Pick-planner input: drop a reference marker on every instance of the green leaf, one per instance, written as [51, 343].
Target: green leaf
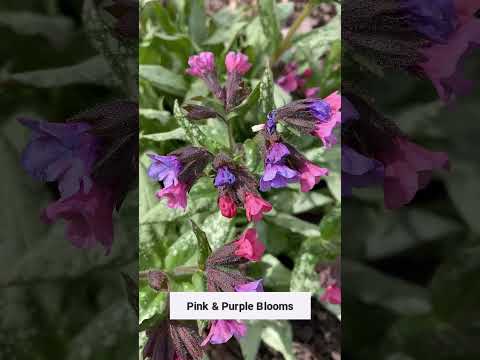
[163, 79]
[193, 132]
[152, 306]
[218, 228]
[253, 156]
[270, 24]
[293, 201]
[177, 134]
[250, 343]
[330, 226]
[57, 29]
[204, 249]
[276, 275]
[266, 92]
[294, 224]
[197, 21]
[304, 276]
[91, 71]
[278, 335]
[226, 36]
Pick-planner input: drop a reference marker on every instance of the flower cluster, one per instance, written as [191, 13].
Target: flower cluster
[422, 37]
[384, 156]
[224, 272]
[292, 81]
[83, 157]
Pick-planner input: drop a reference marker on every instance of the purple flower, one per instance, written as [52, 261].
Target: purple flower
[61, 152]
[254, 286]
[277, 174]
[434, 19]
[359, 171]
[224, 177]
[165, 168]
[271, 122]
[321, 110]
[223, 330]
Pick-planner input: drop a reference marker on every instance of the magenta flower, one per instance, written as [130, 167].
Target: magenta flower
[61, 152]
[255, 207]
[288, 82]
[444, 64]
[165, 168]
[223, 330]
[254, 286]
[249, 246]
[88, 217]
[227, 206]
[175, 194]
[312, 92]
[408, 168]
[332, 295]
[291, 80]
[310, 175]
[328, 116]
[237, 62]
[201, 64]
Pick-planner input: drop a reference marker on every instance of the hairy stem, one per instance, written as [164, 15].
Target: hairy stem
[287, 42]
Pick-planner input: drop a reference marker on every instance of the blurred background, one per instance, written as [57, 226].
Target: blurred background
[56, 301]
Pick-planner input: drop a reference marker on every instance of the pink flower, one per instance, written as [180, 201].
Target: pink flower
[254, 286]
[288, 82]
[310, 175]
[237, 62]
[332, 294]
[222, 330]
[324, 127]
[176, 195]
[249, 246]
[444, 64]
[408, 168]
[227, 206]
[201, 64]
[255, 206]
[311, 92]
[88, 217]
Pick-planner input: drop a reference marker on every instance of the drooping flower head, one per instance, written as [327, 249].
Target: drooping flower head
[179, 170]
[173, 340]
[315, 117]
[222, 266]
[407, 167]
[61, 152]
[237, 188]
[203, 67]
[88, 216]
[285, 165]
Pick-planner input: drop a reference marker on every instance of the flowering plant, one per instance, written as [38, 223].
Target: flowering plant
[249, 163]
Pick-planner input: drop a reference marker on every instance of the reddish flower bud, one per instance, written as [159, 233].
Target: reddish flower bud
[227, 206]
[237, 62]
[332, 294]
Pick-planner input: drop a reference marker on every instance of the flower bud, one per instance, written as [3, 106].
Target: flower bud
[203, 66]
[158, 280]
[198, 112]
[227, 206]
[237, 62]
[249, 246]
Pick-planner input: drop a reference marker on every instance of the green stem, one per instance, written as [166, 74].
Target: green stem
[179, 271]
[287, 42]
[231, 138]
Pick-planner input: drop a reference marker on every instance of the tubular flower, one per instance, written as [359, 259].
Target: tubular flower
[222, 266]
[223, 330]
[65, 153]
[256, 206]
[203, 67]
[284, 165]
[237, 65]
[249, 246]
[234, 182]
[407, 167]
[179, 171]
[332, 295]
[88, 216]
[315, 117]
[173, 340]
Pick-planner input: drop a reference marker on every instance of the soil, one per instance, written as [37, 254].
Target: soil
[318, 339]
